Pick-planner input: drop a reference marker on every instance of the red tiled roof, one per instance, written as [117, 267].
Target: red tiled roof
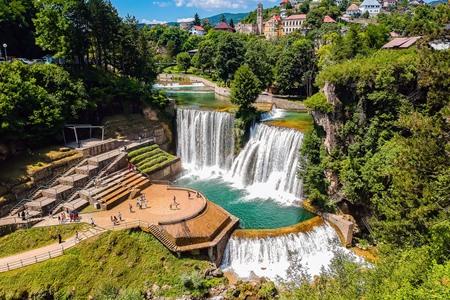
[199, 28]
[405, 42]
[296, 17]
[284, 2]
[328, 19]
[353, 7]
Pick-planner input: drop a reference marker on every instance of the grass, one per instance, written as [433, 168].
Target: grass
[148, 159]
[296, 120]
[27, 239]
[119, 260]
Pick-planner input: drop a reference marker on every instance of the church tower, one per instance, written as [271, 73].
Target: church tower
[259, 19]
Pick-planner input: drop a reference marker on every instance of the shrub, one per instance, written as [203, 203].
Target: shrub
[141, 157]
[142, 150]
[318, 102]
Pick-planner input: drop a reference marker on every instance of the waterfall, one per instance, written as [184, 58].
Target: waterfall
[273, 114]
[267, 165]
[271, 257]
[205, 139]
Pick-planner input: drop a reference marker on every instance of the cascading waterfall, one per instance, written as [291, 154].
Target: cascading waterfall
[273, 114]
[205, 139]
[271, 257]
[268, 163]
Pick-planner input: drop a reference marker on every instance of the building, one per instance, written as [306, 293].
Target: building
[223, 26]
[273, 28]
[353, 10]
[293, 23]
[389, 3]
[328, 19]
[197, 30]
[402, 42]
[185, 25]
[260, 19]
[246, 28]
[373, 7]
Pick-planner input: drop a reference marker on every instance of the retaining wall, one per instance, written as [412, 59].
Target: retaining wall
[343, 226]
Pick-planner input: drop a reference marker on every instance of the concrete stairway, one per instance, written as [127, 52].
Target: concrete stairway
[162, 236]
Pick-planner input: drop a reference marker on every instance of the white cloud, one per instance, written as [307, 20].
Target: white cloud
[215, 4]
[152, 22]
[184, 20]
[161, 3]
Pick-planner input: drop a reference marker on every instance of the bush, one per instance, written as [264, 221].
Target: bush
[318, 102]
[141, 157]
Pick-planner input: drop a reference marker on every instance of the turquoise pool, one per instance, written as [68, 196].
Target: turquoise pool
[255, 213]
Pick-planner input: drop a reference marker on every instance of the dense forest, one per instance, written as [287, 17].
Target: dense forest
[380, 149]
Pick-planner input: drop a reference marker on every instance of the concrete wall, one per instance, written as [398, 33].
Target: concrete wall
[344, 227]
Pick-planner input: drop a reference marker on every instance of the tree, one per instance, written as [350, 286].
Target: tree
[184, 61]
[258, 58]
[223, 18]
[245, 88]
[229, 56]
[192, 42]
[197, 20]
[296, 68]
[231, 23]
[35, 101]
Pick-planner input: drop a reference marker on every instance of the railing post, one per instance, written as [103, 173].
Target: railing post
[49, 254]
[35, 259]
[7, 266]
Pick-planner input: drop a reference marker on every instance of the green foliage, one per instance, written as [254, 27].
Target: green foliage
[36, 100]
[296, 68]
[245, 88]
[27, 239]
[119, 264]
[142, 150]
[148, 159]
[318, 102]
[184, 61]
[258, 57]
[229, 56]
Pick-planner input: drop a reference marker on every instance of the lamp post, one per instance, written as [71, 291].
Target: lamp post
[6, 53]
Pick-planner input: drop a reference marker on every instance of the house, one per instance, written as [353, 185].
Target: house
[389, 3]
[402, 42]
[273, 28]
[197, 30]
[293, 23]
[246, 28]
[373, 7]
[328, 19]
[223, 26]
[186, 23]
[353, 10]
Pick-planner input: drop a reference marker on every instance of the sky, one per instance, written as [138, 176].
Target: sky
[157, 11]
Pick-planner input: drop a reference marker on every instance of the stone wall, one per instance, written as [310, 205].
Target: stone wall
[343, 226]
[168, 171]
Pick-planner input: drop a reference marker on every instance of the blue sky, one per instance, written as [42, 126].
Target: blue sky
[173, 10]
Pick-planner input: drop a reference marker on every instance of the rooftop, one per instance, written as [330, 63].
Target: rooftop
[401, 42]
[353, 7]
[328, 19]
[296, 17]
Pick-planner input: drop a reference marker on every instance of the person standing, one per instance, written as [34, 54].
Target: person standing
[77, 238]
[59, 238]
[120, 216]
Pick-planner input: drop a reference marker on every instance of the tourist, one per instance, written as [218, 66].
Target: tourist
[59, 219]
[120, 216]
[130, 167]
[92, 222]
[76, 236]
[130, 207]
[115, 220]
[23, 216]
[112, 220]
[59, 238]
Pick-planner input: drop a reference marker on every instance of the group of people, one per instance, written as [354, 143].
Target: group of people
[24, 215]
[71, 216]
[197, 194]
[141, 203]
[116, 220]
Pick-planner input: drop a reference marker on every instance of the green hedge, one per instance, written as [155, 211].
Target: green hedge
[318, 102]
[152, 162]
[142, 150]
[149, 159]
[141, 157]
[151, 169]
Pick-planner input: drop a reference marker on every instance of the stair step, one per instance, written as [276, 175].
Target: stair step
[58, 191]
[39, 203]
[87, 170]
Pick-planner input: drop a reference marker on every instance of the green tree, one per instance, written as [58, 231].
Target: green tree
[184, 61]
[245, 88]
[197, 20]
[206, 54]
[231, 23]
[258, 58]
[229, 56]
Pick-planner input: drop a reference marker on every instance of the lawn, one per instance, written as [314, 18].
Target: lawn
[27, 239]
[114, 263]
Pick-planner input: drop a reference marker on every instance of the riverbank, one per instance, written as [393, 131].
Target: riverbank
[279, 101]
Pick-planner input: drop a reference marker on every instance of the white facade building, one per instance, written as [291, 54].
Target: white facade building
[373, 7]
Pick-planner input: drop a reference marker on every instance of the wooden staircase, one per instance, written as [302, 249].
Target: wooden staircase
[162, 236]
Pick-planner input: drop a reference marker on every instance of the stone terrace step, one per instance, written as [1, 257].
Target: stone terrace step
[102, 159]
[76, 204]
[76, 180]
[109, 184]
[40, 203]
[87, 170]
[60, 191]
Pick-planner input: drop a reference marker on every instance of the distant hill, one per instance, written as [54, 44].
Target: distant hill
[437, 2]
[213, 20]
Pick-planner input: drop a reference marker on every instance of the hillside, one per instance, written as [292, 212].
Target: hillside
[213, 20]
[113, 266]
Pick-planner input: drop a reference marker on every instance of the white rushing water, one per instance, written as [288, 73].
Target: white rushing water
[205, 139]
[271, 257]
[266, 167]
[268, 163]
[273, 114]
